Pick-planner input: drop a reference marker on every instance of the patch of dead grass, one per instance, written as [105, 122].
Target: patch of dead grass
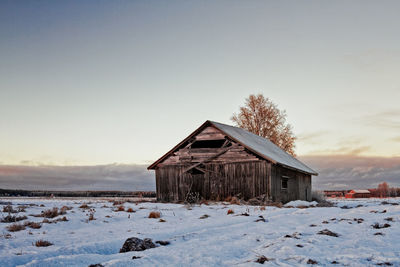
[43, 243]
[15, 227]
[33, 225]
[154, 215]
[9, 218]
[120, 208]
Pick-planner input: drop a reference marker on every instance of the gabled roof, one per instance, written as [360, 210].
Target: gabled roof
[361, 191]
[257, 144]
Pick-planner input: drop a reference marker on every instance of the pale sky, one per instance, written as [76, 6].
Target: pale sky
[98, 82]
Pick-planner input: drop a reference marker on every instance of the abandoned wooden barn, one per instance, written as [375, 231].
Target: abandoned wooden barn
[218, 160]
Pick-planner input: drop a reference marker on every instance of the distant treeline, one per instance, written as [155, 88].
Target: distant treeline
[38, 193]
[383, 190]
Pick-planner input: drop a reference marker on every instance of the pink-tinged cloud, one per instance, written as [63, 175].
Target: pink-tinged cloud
[349, 171]
[102, 177]
[335, 172]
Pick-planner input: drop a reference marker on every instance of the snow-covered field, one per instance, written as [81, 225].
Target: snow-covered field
[287, 237]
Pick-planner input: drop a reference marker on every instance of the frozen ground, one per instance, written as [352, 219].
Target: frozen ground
[288, 237]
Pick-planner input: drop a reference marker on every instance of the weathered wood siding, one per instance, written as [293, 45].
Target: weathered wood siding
[299, 185]
[219, 181]
[187, 154]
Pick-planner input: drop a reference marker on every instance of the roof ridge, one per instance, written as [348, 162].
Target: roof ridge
[279, 150]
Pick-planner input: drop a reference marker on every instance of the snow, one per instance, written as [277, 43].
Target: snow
[298, 203]
[219, 240]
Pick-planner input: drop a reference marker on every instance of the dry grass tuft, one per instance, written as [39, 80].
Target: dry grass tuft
[276, 204]
[262, 208]
[63, 219]
[118, 202]
[203, 201]
[130, 210]
[64, 209]
[154, 215]
[33, 225]
[15, 227]
[9, 209]
[162, 220]
[84, 206]
[43, 243]
[230, 211]
[91, 217]
[10, 219]
[120, 208]
[235, 201]
[7, 236]
[228, 199]
[51, 213]
[261, 259]
[22, 208]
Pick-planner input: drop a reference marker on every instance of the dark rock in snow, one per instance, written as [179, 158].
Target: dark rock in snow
[380, 226]
[358, 220]
[262, 259]
[136, 257]
[328, 232]
[205, 216]
[384, 264]
[260, 219]
[96, 265]
[163, 243]
[137, 244]
[310, 261]
[294, 235]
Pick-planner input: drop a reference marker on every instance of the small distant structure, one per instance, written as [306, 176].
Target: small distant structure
[334, 194]
[358, 194]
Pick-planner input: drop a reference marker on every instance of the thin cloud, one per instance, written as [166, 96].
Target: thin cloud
[335, 172]
[311, 137]
[375, 60]
[389, 119]
[102, 177]
[348, 171]
[342, 150]
[395, 139]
